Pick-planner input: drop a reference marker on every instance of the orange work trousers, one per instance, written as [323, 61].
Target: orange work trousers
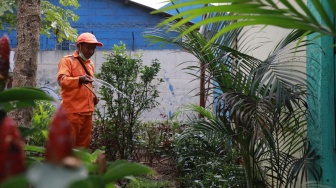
[81, 128]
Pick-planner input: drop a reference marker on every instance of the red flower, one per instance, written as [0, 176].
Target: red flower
[12, 158]
[4, 58]
[59, 145]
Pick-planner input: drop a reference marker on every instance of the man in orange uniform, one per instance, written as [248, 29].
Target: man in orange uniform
[75, 75]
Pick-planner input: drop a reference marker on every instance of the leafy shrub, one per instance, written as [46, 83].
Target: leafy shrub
[103, 138]
[155, 141]
[130, 88]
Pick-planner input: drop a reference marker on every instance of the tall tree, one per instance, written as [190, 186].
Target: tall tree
[28, 37]
[33, 18]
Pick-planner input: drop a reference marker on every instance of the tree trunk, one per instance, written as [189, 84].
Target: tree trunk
[28, 38]
[202, 87]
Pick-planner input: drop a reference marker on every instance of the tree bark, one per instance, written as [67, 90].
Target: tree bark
[25, 59]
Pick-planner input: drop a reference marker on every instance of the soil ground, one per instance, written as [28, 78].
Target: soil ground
[164, 172]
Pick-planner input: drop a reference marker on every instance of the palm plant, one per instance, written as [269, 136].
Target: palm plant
[261, 103]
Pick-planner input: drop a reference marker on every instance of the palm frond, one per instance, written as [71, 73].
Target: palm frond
[285, 14]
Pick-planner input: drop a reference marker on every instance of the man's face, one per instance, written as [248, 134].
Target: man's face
[87, 49]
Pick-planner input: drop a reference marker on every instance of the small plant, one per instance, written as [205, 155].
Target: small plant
[155, 141]
[42, 116]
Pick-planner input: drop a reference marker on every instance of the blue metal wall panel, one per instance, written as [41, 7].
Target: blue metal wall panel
[111, 21]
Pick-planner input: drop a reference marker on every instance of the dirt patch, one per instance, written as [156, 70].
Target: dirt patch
[165, 171]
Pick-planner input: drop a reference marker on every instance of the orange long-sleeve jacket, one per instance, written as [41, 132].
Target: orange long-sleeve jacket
[76, 98]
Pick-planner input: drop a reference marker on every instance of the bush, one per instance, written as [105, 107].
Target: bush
[208, 162]
[129, 88]
[155, 141]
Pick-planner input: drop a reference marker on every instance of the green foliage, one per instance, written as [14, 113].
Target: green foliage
[42, 116]
[155, 141]
[121, 168]
[15, 182]
[7, 14]
[208, 160]
[116, 170]
[131, 90]
[260, 103]
[55, 19]
[148, 183]
[101, 138]
[21, 97]
[6, 5]
[285, 14]
[58, 20]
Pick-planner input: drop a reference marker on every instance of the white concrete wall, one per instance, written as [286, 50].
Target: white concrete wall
[174, 92]
[267, 37]
[259, 42]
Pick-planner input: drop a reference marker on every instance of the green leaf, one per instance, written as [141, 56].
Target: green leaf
[45, 133]
[92, 181]
[57, 20]
[85, 155]
[23, 94]
[73, 3]
[27, 131]
[110, 186]
[21, 98]
[15, 182]
[9, 106]
[122, 168]
[249, 13]
[34, 148]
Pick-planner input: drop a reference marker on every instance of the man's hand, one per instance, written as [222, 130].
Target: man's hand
[85, 79]
[95, 100]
